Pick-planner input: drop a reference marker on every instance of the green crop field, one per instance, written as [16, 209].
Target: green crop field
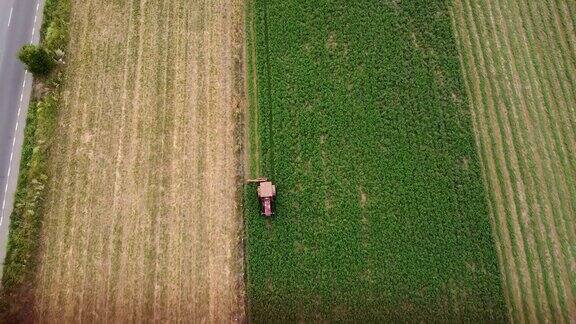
[358, 112]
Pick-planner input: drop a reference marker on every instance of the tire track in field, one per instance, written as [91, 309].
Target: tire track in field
[87, 233]
[189, 274]
[93, 297]
[197, 289]
[206, 161]
[161, 263]
[124, 302]
[97, 131]
[220, 187]
[155, 204]
[172, 272]
[181, 181]
[112, 88]
[148, 155]
[180, 135]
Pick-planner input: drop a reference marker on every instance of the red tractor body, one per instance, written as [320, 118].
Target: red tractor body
[266, 194]
[266, 206]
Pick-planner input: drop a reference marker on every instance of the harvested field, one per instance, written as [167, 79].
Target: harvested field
[142, 221]
[519, 62]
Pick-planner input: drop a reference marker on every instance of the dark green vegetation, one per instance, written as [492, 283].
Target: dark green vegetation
[23, 240]
[37, 59]
[365, 127]
[40, 59]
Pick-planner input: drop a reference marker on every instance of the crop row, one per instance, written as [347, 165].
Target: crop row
[520, 72]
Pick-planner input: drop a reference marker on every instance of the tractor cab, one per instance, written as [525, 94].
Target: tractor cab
[266, 195]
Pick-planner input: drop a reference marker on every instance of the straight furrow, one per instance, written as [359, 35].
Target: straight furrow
[92, 130]
[154, 258]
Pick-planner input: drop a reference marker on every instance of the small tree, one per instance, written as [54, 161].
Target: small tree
[37, 59]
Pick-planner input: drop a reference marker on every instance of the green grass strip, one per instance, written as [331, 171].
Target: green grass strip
[26, 218]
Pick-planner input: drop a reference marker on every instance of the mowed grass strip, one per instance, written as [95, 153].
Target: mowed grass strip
[364, 125]
[524, 49]
[142, 221]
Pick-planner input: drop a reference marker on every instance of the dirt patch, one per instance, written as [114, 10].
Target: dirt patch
[142, 222]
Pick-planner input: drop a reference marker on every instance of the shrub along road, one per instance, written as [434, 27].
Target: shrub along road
[19, 25]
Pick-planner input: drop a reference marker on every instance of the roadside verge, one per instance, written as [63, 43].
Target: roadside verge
[23, 240]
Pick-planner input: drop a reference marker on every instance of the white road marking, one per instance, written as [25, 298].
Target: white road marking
[10, 17]
[12, 151]
[35, 19]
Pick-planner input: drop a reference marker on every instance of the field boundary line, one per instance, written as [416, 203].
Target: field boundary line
[270, 119]
[515, 299]
[490, 110]
[482, 150]
[518, 164]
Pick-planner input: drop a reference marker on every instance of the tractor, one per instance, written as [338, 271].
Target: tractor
[266, 195]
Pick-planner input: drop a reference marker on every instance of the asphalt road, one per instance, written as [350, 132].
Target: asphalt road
[20, 22]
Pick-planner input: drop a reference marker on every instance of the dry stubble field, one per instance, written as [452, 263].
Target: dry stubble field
[519, 61]
[141, 220]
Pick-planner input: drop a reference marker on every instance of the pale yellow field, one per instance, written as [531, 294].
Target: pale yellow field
[142, 222]
[519, 62]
